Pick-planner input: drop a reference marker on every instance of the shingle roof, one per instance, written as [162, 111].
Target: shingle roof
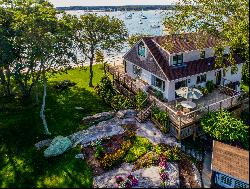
[186, 42]
[189, 68]
[231, 160]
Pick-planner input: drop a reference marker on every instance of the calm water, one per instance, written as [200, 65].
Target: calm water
[135, 25]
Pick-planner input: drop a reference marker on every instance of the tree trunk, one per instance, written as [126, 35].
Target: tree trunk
[91, 70]
[42, 115]
[36, 95]
[2, 79]
[8, 80]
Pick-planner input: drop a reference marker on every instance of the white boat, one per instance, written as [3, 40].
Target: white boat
[143, 17]
[140, 22]
[154, 25]
[129, 16]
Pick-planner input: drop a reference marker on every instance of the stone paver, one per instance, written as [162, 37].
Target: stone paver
[103, 129]
[148, 177]
[149, 131]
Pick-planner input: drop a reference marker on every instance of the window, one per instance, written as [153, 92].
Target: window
[141, 50]
[155, 81]
[178, 59]
[239, 184]
[226, 180]
[137, 70]
[201, 78]
[234, 70]
[202, 54]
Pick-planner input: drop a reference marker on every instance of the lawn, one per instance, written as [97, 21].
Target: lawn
[21, 165]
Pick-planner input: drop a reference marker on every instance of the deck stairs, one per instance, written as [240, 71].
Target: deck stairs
[144, 114]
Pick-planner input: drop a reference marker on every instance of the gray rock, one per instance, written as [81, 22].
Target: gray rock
[58, 146]
[98, 117]
[148, 177]
[129, 113]
[43, 143]
[79, 156]
[79, 108]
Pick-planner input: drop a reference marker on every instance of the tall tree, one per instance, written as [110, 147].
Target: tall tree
[46, 41]
[99, 33]
[8, 51]
[227, 20]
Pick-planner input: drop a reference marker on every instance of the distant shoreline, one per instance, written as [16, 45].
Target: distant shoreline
[118, 8]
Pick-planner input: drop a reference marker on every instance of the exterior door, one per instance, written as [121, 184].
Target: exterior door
[125, 66]
[218, 77]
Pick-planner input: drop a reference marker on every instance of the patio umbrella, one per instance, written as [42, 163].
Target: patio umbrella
[189, 93]
[188, 104]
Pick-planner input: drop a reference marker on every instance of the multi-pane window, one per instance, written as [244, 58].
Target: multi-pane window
[201, 78]
[141, 50]
[155, 81]
[178, 59]
[202, 54]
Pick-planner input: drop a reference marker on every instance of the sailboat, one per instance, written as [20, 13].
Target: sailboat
[128, 16]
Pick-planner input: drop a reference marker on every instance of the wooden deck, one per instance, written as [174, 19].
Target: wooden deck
[183, 124]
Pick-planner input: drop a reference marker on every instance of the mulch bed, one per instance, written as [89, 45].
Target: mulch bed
[110, 146]
[186, 174]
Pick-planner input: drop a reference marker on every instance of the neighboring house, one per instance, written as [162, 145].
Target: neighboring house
[173, 61]
[230, 166]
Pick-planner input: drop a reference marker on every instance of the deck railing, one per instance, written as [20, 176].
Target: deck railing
[179, 118]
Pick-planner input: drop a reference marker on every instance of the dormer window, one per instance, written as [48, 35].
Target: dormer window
[203, 54]
[178, 60]
[142, 50]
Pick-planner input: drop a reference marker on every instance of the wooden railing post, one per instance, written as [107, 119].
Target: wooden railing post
[179, 131]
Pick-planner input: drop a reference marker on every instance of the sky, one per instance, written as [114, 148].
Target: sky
[61, 3]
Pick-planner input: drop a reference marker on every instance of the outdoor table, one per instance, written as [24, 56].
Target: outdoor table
[188, 104]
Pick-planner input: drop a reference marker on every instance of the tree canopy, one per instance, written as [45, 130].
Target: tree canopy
[222, 126]
[225, 19]
[99, 33]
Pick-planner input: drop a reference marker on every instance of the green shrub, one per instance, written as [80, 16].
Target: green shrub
[160, 116]
[63, 85]
[147, 160]
[222, 126]
[140, 100]
[99, 151]
[111, 159]
[121, 102]
[140, 147]
[204, 90]
[210, 86]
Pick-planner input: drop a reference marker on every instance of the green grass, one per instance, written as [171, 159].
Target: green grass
[21, 165]
[245, 87]
[140, 147]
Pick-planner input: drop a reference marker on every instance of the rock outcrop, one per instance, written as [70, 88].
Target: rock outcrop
[58, 146]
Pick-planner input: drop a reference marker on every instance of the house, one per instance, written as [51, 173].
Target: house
[230, 166]
[169, 62]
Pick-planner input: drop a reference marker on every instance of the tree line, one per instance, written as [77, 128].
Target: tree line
[36, 39]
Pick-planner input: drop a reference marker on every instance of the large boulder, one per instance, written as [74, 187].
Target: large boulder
[97, 117]
[43, 143]
[58, 146]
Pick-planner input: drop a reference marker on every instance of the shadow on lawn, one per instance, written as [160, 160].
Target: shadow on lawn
[21, 165]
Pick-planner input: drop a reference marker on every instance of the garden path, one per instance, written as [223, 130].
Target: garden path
[148, 177]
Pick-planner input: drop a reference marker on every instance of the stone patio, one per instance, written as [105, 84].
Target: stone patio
[148, 177]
